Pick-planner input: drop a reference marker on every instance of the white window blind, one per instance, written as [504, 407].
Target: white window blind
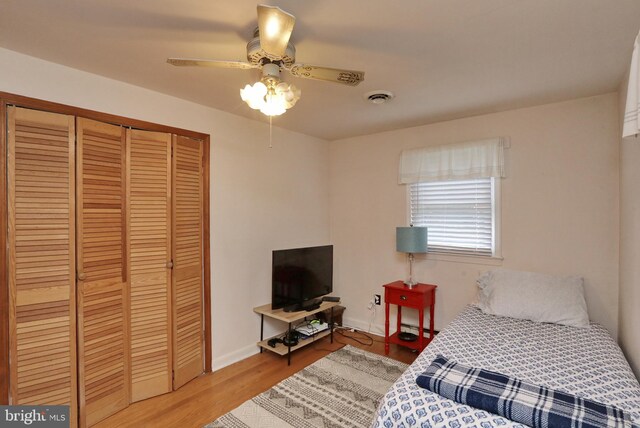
[459, 215]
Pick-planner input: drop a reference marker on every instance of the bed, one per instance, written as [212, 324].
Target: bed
[581, 361]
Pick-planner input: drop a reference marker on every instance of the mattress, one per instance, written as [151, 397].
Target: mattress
[581, 361]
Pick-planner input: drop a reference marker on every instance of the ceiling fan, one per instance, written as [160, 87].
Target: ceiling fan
[271, 51]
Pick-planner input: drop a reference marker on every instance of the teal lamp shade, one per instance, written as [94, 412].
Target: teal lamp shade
[411, 239]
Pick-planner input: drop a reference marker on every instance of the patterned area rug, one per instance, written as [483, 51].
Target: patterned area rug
[339, 390]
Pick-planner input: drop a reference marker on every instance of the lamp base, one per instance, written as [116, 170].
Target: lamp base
[410, 283]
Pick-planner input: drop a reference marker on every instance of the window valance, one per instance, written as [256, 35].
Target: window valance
[473, 159]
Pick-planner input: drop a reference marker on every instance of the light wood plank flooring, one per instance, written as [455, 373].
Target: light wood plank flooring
[211, 395]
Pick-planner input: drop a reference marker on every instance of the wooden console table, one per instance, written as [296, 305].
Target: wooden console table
[290, 318]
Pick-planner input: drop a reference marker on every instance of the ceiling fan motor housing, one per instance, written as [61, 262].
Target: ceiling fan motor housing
[257, 56]
[271, 70]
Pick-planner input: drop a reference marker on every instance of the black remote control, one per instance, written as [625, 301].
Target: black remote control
[272, 342]
[330, 299]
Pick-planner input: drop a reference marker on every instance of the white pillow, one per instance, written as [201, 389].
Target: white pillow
[533, 296]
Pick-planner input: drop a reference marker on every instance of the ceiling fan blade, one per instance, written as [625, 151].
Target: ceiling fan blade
[275, 27]
[346, 77]
[187, 62]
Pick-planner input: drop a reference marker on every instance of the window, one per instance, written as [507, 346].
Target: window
[460, 215]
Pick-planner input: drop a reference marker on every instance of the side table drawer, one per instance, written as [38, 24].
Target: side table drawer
[404, 298]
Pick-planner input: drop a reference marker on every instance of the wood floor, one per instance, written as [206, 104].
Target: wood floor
[209, 396]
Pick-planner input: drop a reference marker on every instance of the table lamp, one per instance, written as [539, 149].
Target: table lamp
[411, 240]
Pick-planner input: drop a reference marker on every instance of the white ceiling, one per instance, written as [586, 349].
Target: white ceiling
[443, 59]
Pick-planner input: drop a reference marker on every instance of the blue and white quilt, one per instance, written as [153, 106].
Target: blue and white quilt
[581, 361]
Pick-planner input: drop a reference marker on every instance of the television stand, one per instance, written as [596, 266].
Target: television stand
[291, 318]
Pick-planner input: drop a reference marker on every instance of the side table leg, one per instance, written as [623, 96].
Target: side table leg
[289, 345]
[386, 328]
[421, 328]
[261, 330]
[431, 328]
[331, 324]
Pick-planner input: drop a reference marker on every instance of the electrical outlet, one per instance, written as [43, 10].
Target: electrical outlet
[376, 299]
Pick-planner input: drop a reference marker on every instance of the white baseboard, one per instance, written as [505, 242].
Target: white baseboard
[225, 360]
[363, 326]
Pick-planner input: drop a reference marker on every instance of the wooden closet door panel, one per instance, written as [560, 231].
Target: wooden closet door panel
[41, 236]
[188, 327]
[149, 187]
[103, 342]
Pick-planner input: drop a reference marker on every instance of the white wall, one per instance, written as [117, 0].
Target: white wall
[559, 206]
[629, 331]
[559, 212]
[261, 199]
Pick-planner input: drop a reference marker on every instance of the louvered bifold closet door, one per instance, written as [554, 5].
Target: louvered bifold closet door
[149, 184]
[187, 260]
[103, 343]
[41, 236]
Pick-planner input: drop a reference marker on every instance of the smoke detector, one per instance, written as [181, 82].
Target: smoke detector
[379, 97]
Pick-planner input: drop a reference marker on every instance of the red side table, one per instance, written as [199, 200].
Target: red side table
[419, 297]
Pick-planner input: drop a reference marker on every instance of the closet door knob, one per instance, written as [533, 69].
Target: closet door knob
[170, 265]
[81, 276]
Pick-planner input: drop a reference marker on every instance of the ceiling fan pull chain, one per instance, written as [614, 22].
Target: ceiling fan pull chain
[270, 132]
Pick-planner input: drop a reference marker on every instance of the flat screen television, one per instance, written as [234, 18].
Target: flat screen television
[301, 275]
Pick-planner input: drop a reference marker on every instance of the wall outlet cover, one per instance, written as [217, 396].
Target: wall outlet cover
[376, 299]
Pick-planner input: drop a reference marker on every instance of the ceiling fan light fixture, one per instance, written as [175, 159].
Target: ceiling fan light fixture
[271, 96]
[254, 95]
[289, 93]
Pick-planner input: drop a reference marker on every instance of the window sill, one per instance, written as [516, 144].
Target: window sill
[457, 258]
